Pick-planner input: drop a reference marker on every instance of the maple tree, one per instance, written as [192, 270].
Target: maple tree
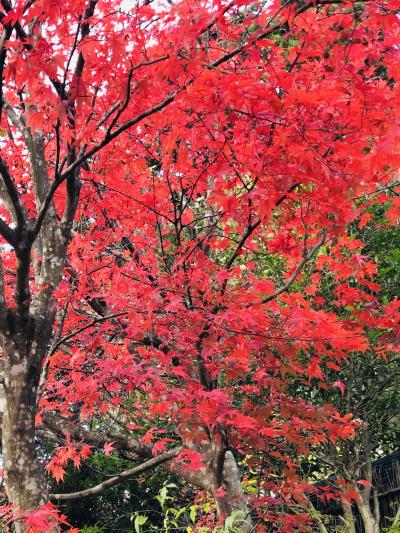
[150, 154]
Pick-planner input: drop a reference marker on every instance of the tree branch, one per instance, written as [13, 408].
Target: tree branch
[97, 489]
[272, 29]
[13, 195]
[17, 121]
[83, 157]
[158, 107]
[7, 233]
[83, 328]
[61, 426]
[3, 54]
[123, 127]
[299, 268]
[252, 227]
[72, 179]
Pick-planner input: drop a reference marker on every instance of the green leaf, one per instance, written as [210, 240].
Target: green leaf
[234, 521]
[139, 521]
[163, 496]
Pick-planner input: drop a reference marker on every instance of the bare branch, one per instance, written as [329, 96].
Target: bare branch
[241, 243]
[251, 227]
[83, 328]
[108, 113]
[3, 54]
[316, 517]
[97, 489]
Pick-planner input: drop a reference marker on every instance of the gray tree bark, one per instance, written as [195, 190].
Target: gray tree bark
[371, 525]
[234, 502]
[24, 477]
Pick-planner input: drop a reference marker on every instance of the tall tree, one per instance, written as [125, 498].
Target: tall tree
[149, 153]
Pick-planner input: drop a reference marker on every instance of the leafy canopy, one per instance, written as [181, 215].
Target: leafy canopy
[223, 150]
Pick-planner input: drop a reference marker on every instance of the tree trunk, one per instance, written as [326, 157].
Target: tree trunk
[221, 477]
[233, 503]
[24, 477]
[370, 524]
[315, 515]
[348, 519]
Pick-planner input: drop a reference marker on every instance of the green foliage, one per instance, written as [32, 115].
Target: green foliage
[394, 528]
[233, 522]
[139, 521]
[174, 515]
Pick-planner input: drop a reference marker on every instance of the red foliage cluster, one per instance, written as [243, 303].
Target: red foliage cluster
[226, 147]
